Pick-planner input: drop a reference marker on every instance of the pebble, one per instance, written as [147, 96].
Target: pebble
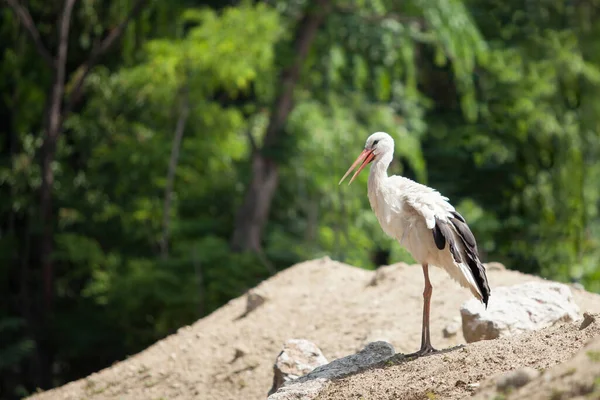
[516, 379]
[452, 328]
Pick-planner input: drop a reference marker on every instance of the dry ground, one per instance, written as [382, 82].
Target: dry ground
[333, 305]
[578, 378]
[459, 373]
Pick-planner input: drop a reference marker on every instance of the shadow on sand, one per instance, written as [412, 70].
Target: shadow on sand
[375, 355]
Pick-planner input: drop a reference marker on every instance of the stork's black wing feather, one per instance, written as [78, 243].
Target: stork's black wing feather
[463, 230]
[442, 234]
[438, 236]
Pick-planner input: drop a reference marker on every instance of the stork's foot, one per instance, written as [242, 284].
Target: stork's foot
[423, 351]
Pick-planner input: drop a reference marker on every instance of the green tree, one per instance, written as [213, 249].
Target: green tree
[362, 77]
[204, 109]
[529, 159]
[116, 226]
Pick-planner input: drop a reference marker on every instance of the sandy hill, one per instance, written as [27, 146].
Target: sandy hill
[477, 368]
[229, 356]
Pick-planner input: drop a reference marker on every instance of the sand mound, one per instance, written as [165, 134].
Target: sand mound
[577, 378]
[459, 373]
[229, 356]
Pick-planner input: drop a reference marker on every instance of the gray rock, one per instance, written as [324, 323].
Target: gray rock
[494, 266]
[298, 358]
[254, 299]
[309, 386]
[452, 328]
[381, 274]
[577, 286]
[588, 319]
[239, 352]
[375, 335]
[516, 379]
[518, 308]
[386, 273]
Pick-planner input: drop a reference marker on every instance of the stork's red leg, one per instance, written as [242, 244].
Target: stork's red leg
[426, 346]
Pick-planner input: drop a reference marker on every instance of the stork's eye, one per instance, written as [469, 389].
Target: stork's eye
[375, 142]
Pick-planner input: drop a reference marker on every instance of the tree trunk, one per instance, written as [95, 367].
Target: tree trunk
[199, 281]
[179, 130]
[46, 245]
[53, 128]
[55, 114]
[254, 210]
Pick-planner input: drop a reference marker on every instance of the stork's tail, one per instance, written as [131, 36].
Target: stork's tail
[478, 272]
[464, 252]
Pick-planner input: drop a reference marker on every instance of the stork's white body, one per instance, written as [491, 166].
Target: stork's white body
[423, 222]
[406, 211]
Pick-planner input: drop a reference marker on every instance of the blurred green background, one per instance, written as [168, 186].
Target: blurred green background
[158, 158]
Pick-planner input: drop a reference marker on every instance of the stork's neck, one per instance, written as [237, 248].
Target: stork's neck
[378, 172]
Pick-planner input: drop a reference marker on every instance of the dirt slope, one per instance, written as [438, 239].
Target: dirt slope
[457, 374]
[578, 378]
[327, 302]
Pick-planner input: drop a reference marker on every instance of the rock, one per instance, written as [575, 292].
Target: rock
[298, 358]
[577, 286]
[588, 319]
[452, 328]
[240, 352]
[385, 272]
[254, 299]
[460, 383]
[515, 379]
[518, 308]
[494, 266]
[381, 274]
[309, 386]
[376, 335]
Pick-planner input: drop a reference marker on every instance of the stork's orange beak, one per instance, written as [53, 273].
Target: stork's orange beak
[366, 157]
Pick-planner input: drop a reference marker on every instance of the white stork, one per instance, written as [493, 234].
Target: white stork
[424, 222]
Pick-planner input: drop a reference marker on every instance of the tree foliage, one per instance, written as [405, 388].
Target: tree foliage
[491, 102]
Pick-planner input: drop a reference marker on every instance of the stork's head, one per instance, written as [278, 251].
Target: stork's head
[377, 145]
